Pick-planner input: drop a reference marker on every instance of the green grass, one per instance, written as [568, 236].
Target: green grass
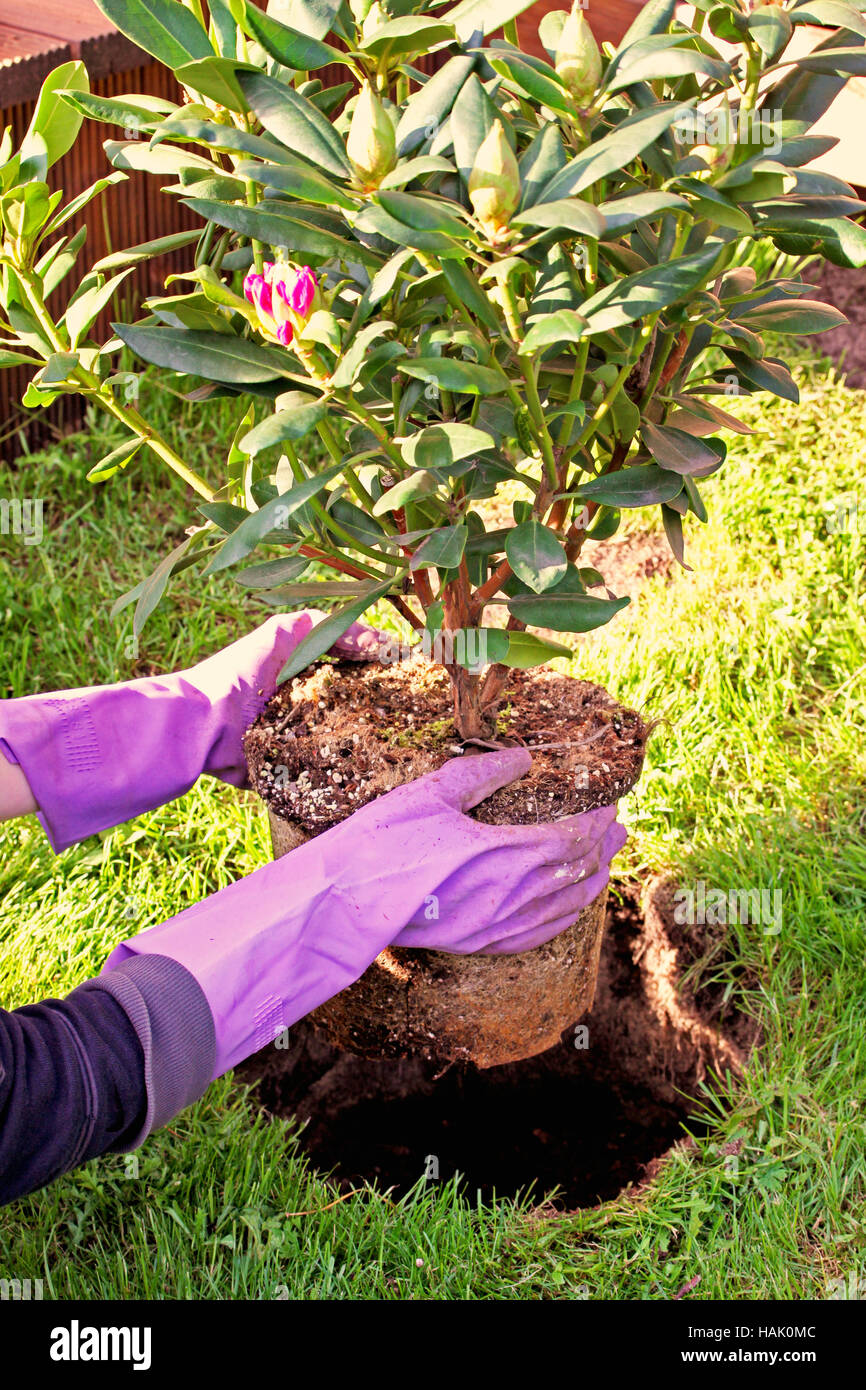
[756, 780]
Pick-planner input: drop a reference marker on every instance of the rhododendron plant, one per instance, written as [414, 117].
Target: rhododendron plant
[514, 271]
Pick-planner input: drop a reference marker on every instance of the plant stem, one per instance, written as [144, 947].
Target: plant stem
[258, 250]
[527, 370]
[95, 391]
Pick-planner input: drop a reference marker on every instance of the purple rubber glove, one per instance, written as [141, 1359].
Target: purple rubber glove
[270, 948]
[101, 755]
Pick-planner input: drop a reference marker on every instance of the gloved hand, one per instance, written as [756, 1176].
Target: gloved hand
[273, 946]
[100, 755]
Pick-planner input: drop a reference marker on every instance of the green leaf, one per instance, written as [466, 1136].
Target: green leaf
[802, 98]
[52, 120]
[217, 79]
[646, 292]
[186, 124]
[794, 316]
[673, 525]
[114, 462]
[484, 16]
[533, 78]
[150, 590]
[472, 119]
[58, 368]
[766, 375]
[85, 308]
[139, 112]
[325, 634]
[707, 202]
[290, 47]
[676, 450]
[292, 423]
[614, 151]
[416, 169]
[568, 214]
[453, 375]
[654, 18]
[377, 220]
[407, 34]
[350, 365]
[540, 162]
[831, 14]
[225, 515]
[163, 28]
[427, 108]
[74, 207]
[535, 555]
[8, 358]
[836, 238]
[215, 356]
[441, 445]
[470, 293]
[476, 647]
[292, 176]
[662, 57]
[563, 326]
[146, 249]
[848, 61]
[407, 490]
[423, 214]
[525, 649]
[771, 29]
[312, 17]
[272, 516]
[567, 608]
[639, 486]
[317, 589]
[295, 121]
[444, 549]
[270, 574]
[164, 159]
[622, 213]
[280, 224]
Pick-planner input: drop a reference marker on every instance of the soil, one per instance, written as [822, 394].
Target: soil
[846, 290]
[342, 734]
[588, 1117]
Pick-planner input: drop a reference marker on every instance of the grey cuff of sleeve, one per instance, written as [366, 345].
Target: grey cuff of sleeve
[168, 1010]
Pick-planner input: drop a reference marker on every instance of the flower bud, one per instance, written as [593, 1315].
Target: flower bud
[296, 296]
[578, 60]
[283, 298]
[257, 290]
[372, 144]
[494, 183]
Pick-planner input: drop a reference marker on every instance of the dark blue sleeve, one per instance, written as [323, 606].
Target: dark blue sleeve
[98, 1071]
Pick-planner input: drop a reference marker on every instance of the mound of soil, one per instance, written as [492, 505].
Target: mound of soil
[587, 1117]
[342, 734]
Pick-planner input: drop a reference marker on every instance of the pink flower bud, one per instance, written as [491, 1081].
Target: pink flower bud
[284, 333]
[258, 292]
[249, 280]
[303, 291]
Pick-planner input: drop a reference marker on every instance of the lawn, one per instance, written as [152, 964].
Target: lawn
[756, 780]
